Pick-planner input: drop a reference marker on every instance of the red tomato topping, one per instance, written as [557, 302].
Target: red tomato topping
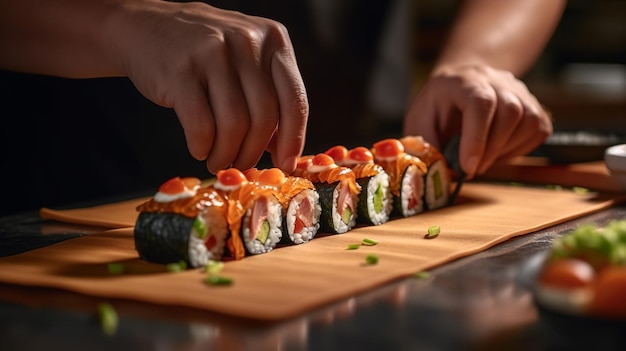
[272, 176]
[567, 273]
[338, 153]
[415, 143]
[191, 182]
[231, 176]
[304, 162]
[361, 154]
[172, 186]
[322, 160]
[388, 148]
[252, 174]
[609, 291]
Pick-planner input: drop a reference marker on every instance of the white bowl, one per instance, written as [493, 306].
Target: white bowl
[615, 159]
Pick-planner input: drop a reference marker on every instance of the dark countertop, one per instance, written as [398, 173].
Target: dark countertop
[480, 302]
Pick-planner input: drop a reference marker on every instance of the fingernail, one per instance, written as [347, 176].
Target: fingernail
[289, 164]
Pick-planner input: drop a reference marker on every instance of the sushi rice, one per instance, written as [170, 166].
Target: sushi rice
[411, 189]
[308, 231]
[270, 232]
[437, 185]
[339, 223]
[208, 238]
[375, 199]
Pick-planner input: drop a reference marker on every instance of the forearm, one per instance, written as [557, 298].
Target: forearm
[507, 35]
[67, 38]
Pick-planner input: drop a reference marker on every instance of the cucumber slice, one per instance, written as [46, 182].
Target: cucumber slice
[347, 215]
[264, 232]
[378, 199]
[437, 184]
[200, 228]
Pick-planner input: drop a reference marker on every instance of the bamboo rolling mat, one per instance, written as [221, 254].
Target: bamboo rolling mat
[292, 280]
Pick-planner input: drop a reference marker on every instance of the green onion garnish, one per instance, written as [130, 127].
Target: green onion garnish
[421, 275]
[353, 246]
[371, 259]
[433, 232]
[580, 190]
[116, 268]
[214, 267]
[218, 280]
[176, 267]
[369, 242]
[108, 318]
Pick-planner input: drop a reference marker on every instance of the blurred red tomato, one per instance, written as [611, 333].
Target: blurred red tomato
[566, 273]
[610, 292]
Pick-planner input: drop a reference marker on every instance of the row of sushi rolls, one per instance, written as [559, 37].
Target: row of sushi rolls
[251, 212]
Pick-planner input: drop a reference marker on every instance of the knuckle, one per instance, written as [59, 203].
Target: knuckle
[485, 99]
[511, 108]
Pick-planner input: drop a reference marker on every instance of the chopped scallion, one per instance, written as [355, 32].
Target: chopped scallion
[371, 259]
[214, 267]
[116, 268]
[421, 275]
[176, 267]
[218, 280]
[580, 190]
[353, 246]
[433, 232]
[369, 242]
[108, 318]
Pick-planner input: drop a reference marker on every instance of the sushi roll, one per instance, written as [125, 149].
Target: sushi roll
[254, 214]
[337, 188]
[437, 177]
[299, 200]
[375, 198]
[406, 176]
[183, 221]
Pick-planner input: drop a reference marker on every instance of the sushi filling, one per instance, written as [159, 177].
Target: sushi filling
[437, 186]
[343, 214]
[208, 237]
[303, 216]
[379, 199]
[261, 229]
[412, 191]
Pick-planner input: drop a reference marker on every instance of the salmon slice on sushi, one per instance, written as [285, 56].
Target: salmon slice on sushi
[375, 198]
[183, 221]
[254, 214]
[338, 191]
[299, 200]
[437, 177]
[406, 176]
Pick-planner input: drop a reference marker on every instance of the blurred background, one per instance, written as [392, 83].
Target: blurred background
[580, 77]
[67, 140]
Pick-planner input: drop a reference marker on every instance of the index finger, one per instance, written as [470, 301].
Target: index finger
[293, 107]
[478, 108]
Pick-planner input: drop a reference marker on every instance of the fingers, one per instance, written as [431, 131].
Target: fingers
[495, 114]
[508, 115]
[266, 108]
[231, 78]
[422, 119]
[195, 115]
[230, 111]
[294, 109]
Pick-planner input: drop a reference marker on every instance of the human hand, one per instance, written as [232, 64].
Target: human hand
[232, 79]
[494, 113]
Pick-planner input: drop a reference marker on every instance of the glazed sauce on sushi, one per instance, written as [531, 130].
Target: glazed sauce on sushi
[176, 196]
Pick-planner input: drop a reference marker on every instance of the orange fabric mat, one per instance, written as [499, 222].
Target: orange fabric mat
[292, 280]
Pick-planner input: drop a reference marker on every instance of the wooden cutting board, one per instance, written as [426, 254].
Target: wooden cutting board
[292, 280]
